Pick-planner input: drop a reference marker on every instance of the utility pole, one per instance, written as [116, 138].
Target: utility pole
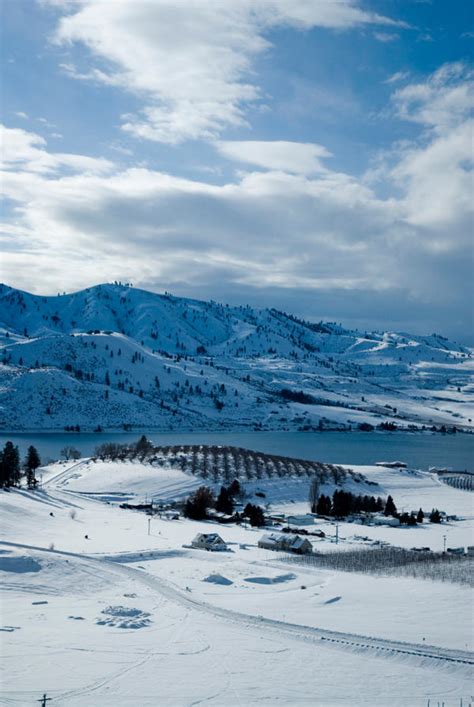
[149, 521]
[337, 533]
[444, 544]
[44, 699]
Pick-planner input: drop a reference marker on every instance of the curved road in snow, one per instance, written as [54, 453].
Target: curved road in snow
[355, 642]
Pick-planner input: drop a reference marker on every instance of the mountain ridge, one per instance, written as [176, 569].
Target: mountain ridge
[113, 355]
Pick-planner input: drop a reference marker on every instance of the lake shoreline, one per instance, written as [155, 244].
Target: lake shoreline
[234, 430]
[419, 450]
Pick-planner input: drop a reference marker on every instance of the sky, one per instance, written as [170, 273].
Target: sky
[310, 155]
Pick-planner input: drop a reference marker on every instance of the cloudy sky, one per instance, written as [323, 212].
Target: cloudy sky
[312, 155]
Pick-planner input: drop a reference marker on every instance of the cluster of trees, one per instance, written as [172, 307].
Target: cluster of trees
[202, 500]
[297, 396]
[142, 449]
[70, 452]
[11, 469]
[254, 514]
[385, 426]
[343, 503]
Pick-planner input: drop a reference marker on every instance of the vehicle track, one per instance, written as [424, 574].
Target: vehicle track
[337, 639]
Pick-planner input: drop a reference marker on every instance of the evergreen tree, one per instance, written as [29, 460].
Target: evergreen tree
[254, 514]
[197, 504]
[342, 503]
[3, 475]
[10, 473]
[143, 447]
[234, 488]
[224, 503]
[420, 516]
[32, 462]
[323, 507]
[390, 507]
[435, 516]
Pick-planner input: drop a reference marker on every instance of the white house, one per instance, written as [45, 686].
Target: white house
[209, 541]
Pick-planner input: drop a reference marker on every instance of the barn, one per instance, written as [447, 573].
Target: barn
[286, 543]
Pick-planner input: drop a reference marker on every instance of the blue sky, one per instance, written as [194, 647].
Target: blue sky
[313, 155]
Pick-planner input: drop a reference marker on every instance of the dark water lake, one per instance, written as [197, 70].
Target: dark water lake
[420, 450]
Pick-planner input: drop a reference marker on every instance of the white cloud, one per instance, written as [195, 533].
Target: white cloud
[22, 115]
[26, 151]
[190, 62]
[386, 36]
[287, 226]
[442, 101]
[296, 157]
[397, 76]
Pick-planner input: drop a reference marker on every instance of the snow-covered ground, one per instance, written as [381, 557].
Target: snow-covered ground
[123, 617]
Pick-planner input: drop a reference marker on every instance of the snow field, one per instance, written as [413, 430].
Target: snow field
[128, 616]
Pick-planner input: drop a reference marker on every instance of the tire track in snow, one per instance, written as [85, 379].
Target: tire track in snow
[337, 639]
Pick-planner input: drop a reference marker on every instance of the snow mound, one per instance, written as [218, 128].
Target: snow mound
[124, 617]
[281, 578]
[218, 579]
[19, 564]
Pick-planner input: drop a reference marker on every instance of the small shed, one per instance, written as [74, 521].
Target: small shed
[209, 541]
[306, 519]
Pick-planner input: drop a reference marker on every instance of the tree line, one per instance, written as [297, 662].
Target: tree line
[345, 503]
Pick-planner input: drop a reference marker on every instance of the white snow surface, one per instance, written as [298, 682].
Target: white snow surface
[121, 617]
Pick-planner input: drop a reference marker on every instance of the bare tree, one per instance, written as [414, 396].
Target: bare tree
[313, 494]
[70, 453]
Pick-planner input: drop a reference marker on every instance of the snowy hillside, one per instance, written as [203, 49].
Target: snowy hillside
[116, 356]
[125, 610]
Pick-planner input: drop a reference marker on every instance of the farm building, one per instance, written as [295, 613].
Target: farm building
[271, 542]
[287, 543]
[306, 519]
[301, 546]
[209, 541]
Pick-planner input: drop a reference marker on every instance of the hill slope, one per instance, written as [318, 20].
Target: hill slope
[116, 356]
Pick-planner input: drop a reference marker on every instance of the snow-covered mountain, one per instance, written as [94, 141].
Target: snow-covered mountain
[115, 356]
